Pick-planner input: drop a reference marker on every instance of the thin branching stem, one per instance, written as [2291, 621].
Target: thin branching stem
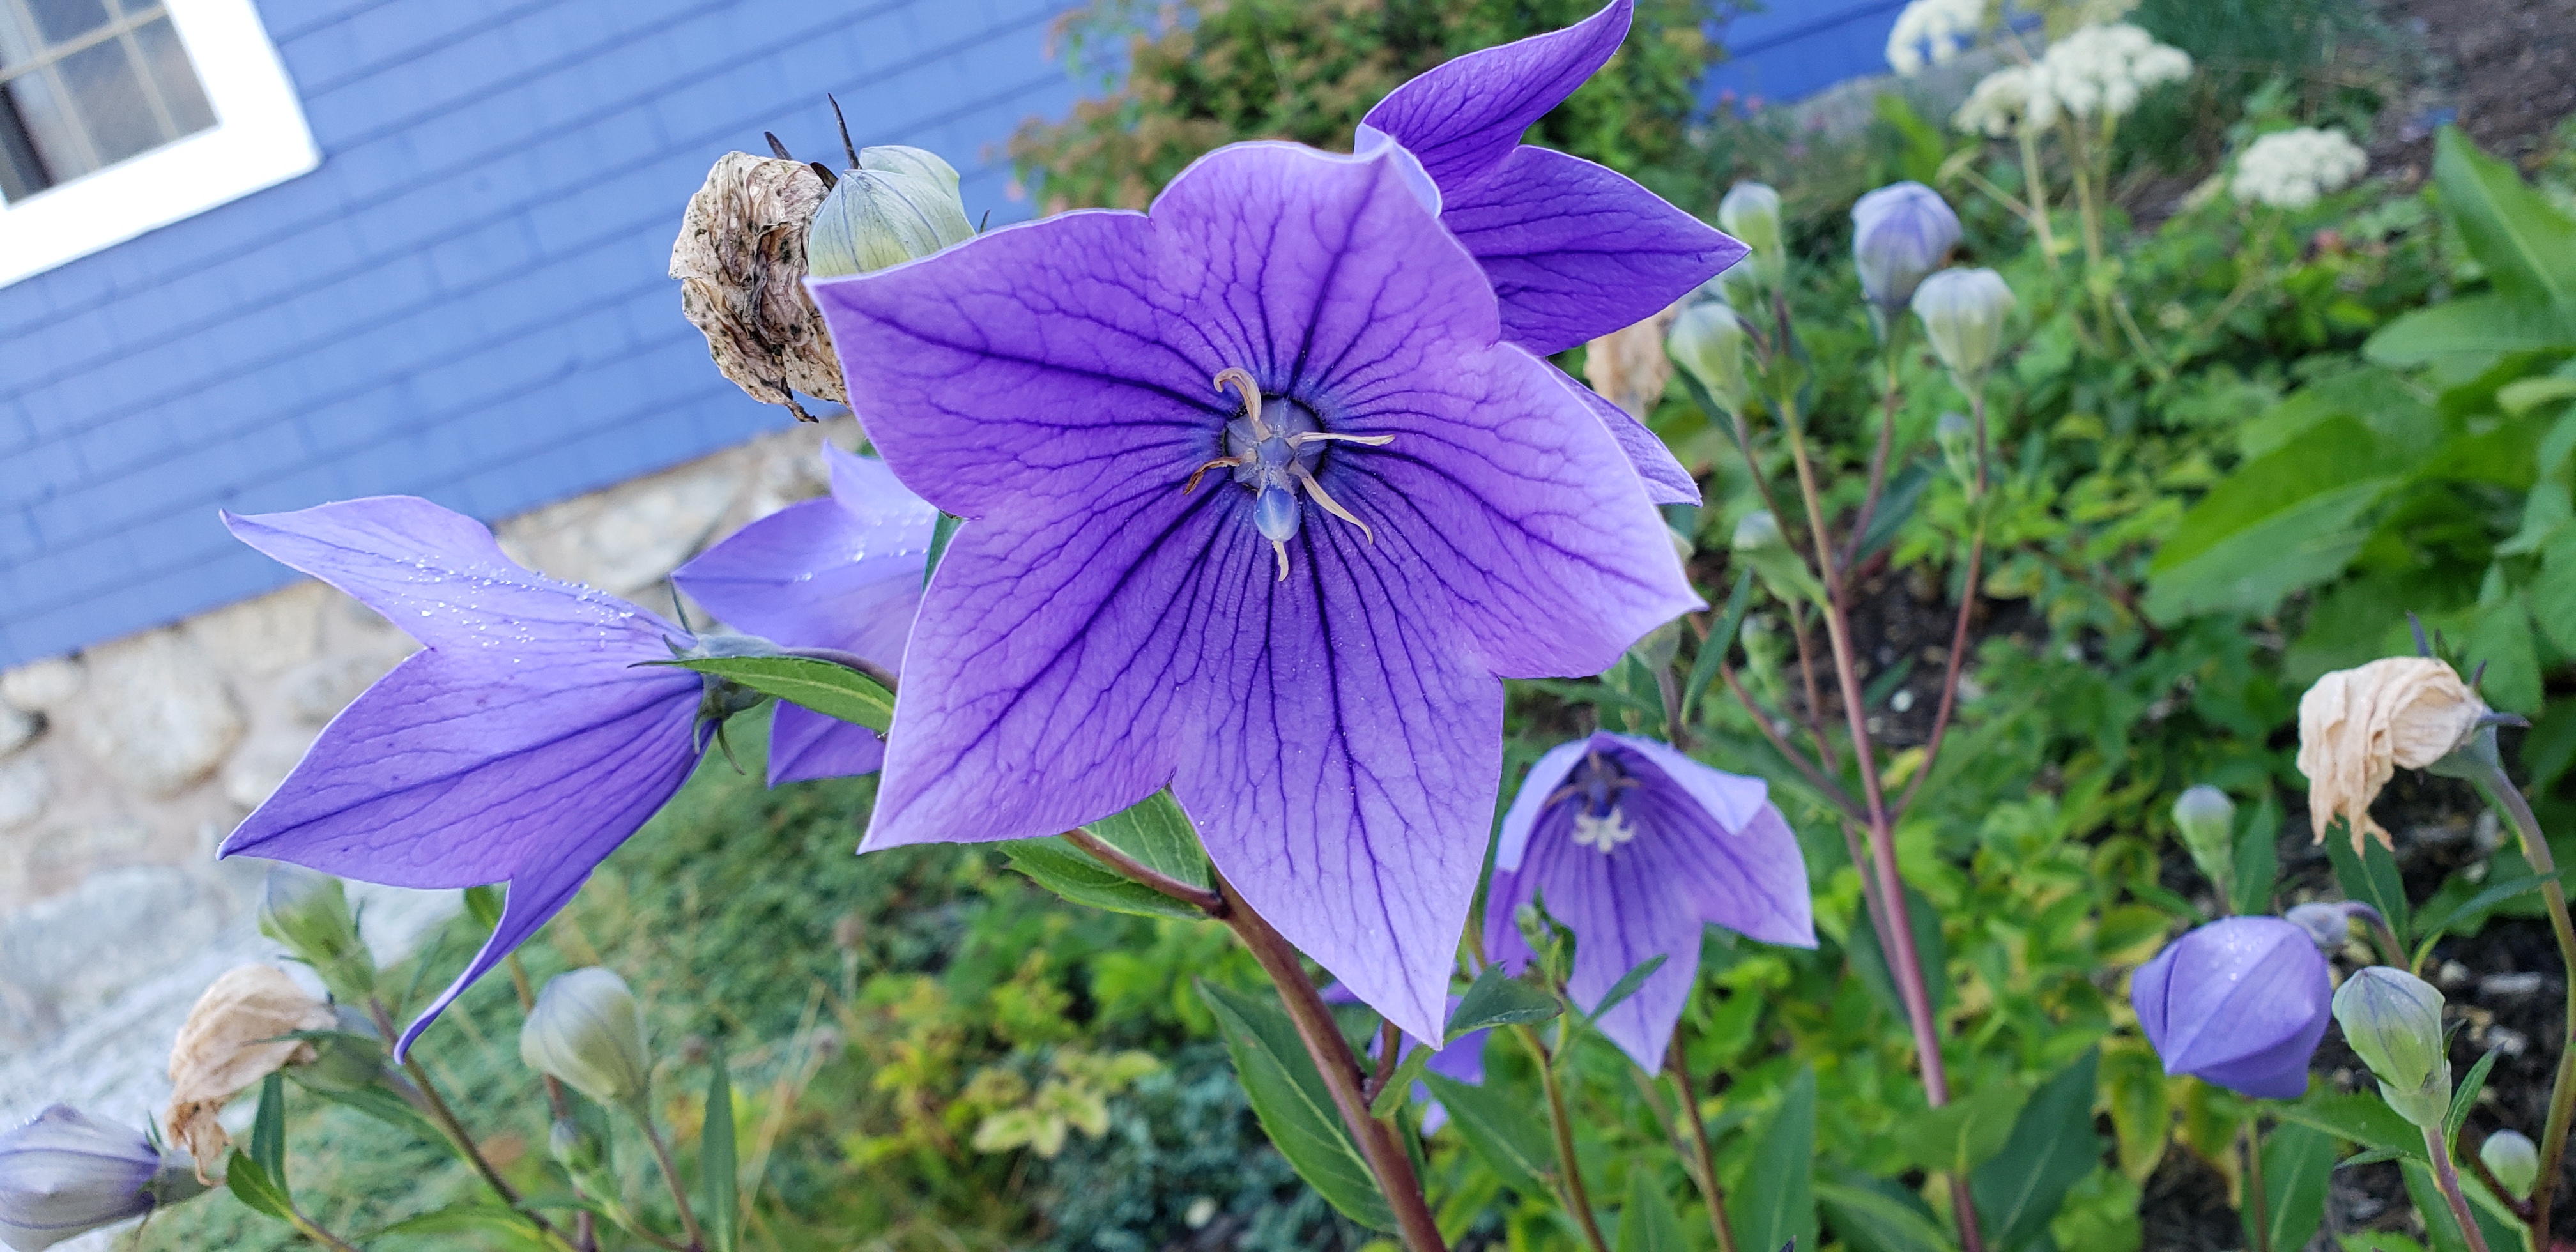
[2508, 799]
[671, 1177]
[1576, 1197]
[434, 1106]
[1957, 661]
[2447, 1177]
[1701, 1149]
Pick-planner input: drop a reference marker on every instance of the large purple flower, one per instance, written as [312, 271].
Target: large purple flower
[842, 573]
[1260, 502]
[522, 743]
[1574, 250]
[2240, 1002]
[1634, 847]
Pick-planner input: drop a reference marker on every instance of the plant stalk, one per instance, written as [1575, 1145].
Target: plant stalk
[671, 1176]
[1577, 1198]
[2508, 799]
[435, 1107]
[313, 1230]
[1701, 1147]
[2448, 1178]
[2256, 1198]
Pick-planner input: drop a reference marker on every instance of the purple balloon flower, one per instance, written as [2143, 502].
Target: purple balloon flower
[1260, 503]
[1900, 233]
[2240, 1002]
[1634, 847]
[64, 1173]
[1574, 250]
[842, 573]
[522, 743]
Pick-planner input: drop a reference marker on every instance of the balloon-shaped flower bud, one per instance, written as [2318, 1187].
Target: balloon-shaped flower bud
[1963, 314]
[1708, 342]
[2356, 726]
[1751, 213]
[588, 1032]
[899, 203]
[307, 913]
[2240, 1002]
[1900, 233]
[2207, 820]
[65, 1173]
[2513, 1159]
[1759, 543]
[2393, 1020]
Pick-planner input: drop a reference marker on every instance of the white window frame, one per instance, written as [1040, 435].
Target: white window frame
[259, 140]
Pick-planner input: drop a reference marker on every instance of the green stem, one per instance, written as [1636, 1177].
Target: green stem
[2256, 1197]
[2447, 1178]
[313, 1231]
[2507, 799]
[1577, 1198]
[435, 1107]
[2035, 181]
[671, 1175]
[1701, 1147]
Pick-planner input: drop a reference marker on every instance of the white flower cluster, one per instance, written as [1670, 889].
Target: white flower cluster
[1937, 28]
[2289, 169]
[2099, 69]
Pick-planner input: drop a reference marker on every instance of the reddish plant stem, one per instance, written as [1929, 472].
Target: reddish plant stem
[1705, 1152]
[1815, 710]
[2501, 793]
[1967, 607]
[1824, 785]
[1886, 443]
[2447, 1178]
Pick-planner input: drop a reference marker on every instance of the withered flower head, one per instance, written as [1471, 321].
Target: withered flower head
[740, 260]
[230, 1042]
[2357, 725]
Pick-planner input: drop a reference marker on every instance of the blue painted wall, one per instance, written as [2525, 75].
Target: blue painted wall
[1796, 48]
[467, 301]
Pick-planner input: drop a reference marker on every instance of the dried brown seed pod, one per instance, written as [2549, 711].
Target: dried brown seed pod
[740, 260]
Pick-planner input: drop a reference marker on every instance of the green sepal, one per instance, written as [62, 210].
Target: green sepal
[824, 687]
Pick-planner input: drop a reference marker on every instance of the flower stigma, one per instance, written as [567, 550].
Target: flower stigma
[1274, 454]
[1599, 822]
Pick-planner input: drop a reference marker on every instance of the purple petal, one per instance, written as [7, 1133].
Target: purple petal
[805, 745]
[1744, 873]
[1624, 909]
[1462, 118]
[1576, 250]
[2242, 1000]
[1665, 479]
[839, 573]
[1543, 780]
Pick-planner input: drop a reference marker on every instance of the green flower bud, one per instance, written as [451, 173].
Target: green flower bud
[2393, 1020]
[1708, 341]
[1963, 315]
[307, 913]
[1759, 542]
[2511, 1157]
[1751, 213]
[898, 204]
[2207, 820]
[588, 1032]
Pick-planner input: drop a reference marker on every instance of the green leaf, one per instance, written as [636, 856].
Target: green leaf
[1498, 999]
[2286, 520]
[2370, 876]
[1873, 1216]
[2354, 1117]
[268, 1131]
[1072, 873]
[2052, 1147]
[1870, 962]
[1713, 650]
[2501, 640]
[1500, 1130]
[2527, 246]
[2297, 1162]
[2372, 1157]
[941, 533]
[2442, 1229]
[2484, 324]
[2553, 593]
[1157, 833]
[2466, 1096]
[1962, 1134]
[1295, 1108]
[382, 1105]
[1626, 986]
[2258, 860]
[1896, 507]
[821, 686]
[1400, 1083]
[716, 1159]
[2438, 918]
[1647, 1222]
[251, 1185]
[1777, 1203]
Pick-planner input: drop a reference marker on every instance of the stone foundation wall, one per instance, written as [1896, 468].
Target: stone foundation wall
[123, 766]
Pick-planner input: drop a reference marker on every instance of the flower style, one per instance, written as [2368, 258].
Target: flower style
[1634, 847]
[521, 743]
[1900, 234]
[842, 573]
[2292, 169]
[2240, 1002]
[2106, 70]
[1934, 32]
[2357, 725]
[1260, 502]
[65, 1173]
[2008, 102]
[1574, 250]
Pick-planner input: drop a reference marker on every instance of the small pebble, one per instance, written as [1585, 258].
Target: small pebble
[2509, 1041]
[2507, 986]
[1902, 701]
[2453, 974]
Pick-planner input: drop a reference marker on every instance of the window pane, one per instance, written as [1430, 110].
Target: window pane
[167, 61]
[59, 21]
[36, 116]
[108, 96]
[22, 172]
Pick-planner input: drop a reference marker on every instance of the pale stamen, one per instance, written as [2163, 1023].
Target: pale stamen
[1331, 505]
[1273, 458]
[1251, 390]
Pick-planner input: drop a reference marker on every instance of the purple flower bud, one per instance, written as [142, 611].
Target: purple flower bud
[65, 1173]
[1900, 233]
[2328, 922]
[2239, 1002]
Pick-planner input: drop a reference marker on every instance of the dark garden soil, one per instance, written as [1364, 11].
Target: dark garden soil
[2505, 70]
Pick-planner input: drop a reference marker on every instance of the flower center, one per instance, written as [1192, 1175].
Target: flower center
[1273, 449]
[1594, 789]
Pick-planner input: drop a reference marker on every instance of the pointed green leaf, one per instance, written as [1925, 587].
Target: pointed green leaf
[251, 1185]
[2466, 1095]
[470, 1218]
[2297, 1161]
[2372, 1157]
[1072, 873]
[1873, 1216]
[1500, 1130]
[2354, 1117]
[2526, 244]
[2052, 1147]
[2371, 877]
[268, 1131]
[1647, 1222]
[1626, 986]
[942, 533]
[1295, 1108]
[1157, 833]
[1870, 962]
[1400, 1083]
[1721, 638]
[716, 1157]
[382, 1105]
[2258, 860]
[2481, 324]
[1498, 999]
[1777, 1203]
[829, 689]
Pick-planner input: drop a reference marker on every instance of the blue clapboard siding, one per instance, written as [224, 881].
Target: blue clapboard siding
[468, 300]
[1796, 48]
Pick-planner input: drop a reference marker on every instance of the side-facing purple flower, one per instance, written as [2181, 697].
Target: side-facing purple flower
[842, 572]
[2240, 1002]
[1574, 250]
[1635, 847]
[1259, 505]
[64, 1173]
[1900, 234]
[522, 743]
